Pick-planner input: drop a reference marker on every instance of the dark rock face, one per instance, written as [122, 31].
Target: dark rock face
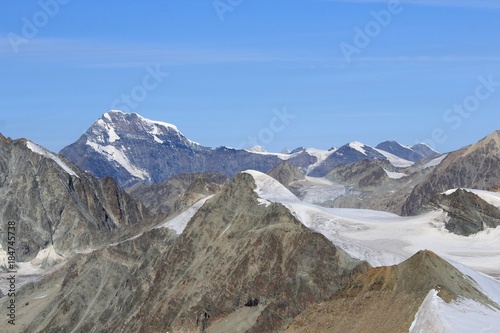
[345, 155]
[468, 213]
[476, 166]
[134, 149]
[286, 173]
[302, 160]
[414, 153]
[71, 210]
[232, 251]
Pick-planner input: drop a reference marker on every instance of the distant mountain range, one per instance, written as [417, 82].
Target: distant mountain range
[131, 149]
[229, 251]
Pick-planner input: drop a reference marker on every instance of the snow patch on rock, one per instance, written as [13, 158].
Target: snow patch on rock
[44, 152]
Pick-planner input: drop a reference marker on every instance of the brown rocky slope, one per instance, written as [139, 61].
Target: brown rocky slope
[386, 299]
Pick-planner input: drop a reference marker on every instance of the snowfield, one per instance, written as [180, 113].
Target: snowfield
[435, 315]
[179, 222]
[385, 239]
[114, 154]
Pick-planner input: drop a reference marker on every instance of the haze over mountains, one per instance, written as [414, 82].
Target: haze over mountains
[136, 228]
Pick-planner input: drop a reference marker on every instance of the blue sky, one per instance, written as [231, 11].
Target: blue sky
[312, 73]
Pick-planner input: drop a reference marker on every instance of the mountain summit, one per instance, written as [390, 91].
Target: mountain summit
[121, 145]
[131, 149]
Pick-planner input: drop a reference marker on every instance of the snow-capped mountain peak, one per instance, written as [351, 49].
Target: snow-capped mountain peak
[257, 149]
[132, 148]
[358, 146]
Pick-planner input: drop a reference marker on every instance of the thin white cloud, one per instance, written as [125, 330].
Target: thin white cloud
[426, 58]
[106, 55]
[478, 4]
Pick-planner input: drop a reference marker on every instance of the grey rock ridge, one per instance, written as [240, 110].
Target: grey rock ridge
[53, 203]
[476, 166]
[345, 155]
[133, 149]
[286, 173]
[468, 213]
[238, 264]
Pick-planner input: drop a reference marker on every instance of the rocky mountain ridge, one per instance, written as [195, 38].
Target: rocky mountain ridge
[246, 255]
[476, 166]
[235, 258]
[468, 213]
[53, 203]
[391, 296]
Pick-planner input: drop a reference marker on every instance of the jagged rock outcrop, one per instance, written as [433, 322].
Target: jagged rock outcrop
[386, 299]
[286, 173]
[476, 166]
[233, 250]
[53, 203]
[161, 198]
[467, 212]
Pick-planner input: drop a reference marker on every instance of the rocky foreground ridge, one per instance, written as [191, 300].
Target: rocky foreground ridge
[236, 259]
[236, 255]
[53, 203]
